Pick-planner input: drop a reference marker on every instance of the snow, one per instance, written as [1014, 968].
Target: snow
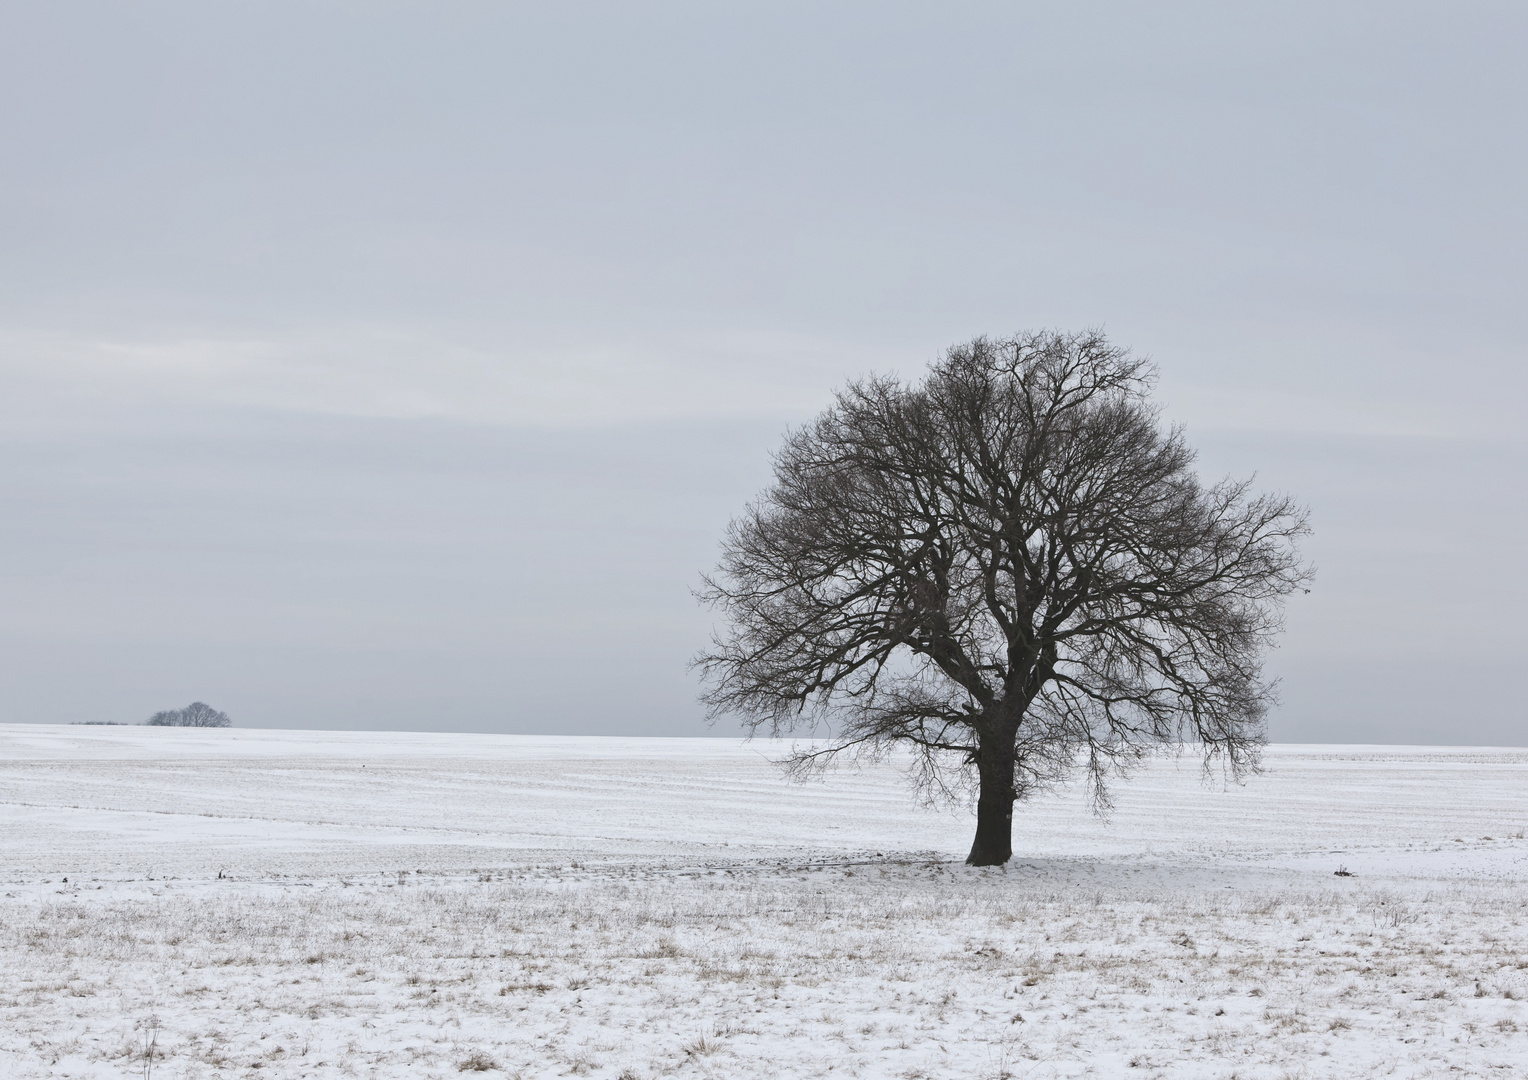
[403, 904]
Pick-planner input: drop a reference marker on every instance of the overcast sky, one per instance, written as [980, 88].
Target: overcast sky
[398, 365]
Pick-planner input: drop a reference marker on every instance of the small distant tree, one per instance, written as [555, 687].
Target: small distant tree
[196, 714]
[1010, 567]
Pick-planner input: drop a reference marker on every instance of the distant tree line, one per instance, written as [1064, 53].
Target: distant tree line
[196, 714]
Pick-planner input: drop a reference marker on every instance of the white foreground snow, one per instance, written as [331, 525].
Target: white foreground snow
[415, 905]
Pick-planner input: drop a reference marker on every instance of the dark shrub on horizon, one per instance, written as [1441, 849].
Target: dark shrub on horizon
[196, 714]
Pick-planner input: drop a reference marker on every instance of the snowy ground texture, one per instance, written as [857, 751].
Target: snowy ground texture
[403, 905]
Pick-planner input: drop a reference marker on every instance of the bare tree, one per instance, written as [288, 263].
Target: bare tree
[196, 714]
[1010, 567]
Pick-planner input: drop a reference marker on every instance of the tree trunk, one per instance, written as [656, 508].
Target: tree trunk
[994, 803]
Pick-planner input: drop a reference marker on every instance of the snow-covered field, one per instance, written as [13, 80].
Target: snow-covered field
[264, 903]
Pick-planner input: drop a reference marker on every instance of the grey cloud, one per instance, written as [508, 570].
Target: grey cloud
[398, 365]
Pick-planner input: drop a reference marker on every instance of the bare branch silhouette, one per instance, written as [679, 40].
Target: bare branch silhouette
[1011, 567]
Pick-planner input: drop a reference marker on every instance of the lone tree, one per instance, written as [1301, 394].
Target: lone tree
[1011, 567]
[196, 714]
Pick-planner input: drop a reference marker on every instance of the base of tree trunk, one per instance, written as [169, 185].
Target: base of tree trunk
[993, 845]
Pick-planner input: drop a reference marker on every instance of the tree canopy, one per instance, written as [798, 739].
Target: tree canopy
[1010, 566]
[196, 714]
